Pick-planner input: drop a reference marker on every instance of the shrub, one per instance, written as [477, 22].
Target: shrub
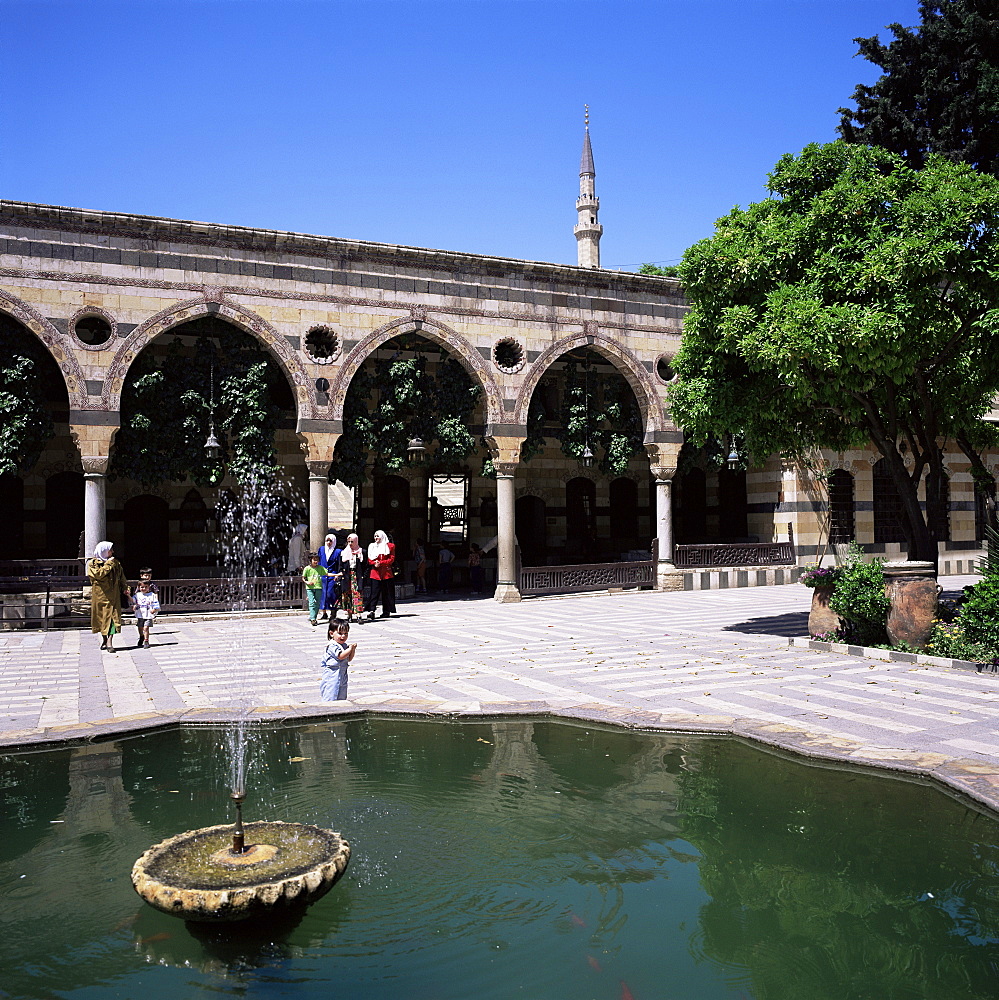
[860, 599]
[950, 639]
[979, 617]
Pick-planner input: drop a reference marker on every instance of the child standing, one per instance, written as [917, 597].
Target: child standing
[313, 576]
[333, 683]
[145, 574]
[145, 606]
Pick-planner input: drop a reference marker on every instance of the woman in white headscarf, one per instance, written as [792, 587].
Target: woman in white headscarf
[352, 562]
[381, 559]
[108, 587]
[329, 559]
[298, 554]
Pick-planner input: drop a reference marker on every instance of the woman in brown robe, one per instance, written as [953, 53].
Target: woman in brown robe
[108, 587]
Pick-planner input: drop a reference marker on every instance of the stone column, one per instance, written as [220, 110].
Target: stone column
[507, 584]
[318, 447]
[662, 465]
[319, 482]
[93, 431]
[95, 520]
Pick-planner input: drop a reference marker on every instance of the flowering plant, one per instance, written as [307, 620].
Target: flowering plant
[819, 576]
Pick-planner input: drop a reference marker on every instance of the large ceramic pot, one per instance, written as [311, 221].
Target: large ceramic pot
[913, 592]
[821, 618]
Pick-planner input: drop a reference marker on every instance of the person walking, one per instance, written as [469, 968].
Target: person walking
[329, 560]
[381, 559]
[336, 659]
[444, 569]
[352, 563]
[108, 588]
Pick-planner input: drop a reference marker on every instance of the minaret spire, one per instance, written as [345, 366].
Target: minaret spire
[588, 231]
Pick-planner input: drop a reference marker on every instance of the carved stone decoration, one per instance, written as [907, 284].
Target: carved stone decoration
[419, 313]
[635, 373]
[289, 360]
[53, 340]
[318, 447]
[87, 311]
[434, 331]
[95, 465]
[594, 576]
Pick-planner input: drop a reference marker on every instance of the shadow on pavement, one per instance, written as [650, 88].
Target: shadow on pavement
[792, 625]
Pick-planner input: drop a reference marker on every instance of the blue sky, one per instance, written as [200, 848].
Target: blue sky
[453, 125]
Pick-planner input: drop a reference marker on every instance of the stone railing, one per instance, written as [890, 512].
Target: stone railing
[734, 554]
[231, 595]
[586, 576]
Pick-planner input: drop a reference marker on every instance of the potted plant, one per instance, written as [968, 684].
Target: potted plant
[822, 620]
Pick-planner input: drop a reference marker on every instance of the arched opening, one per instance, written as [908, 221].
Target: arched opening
[691, 507]
[583, 413]
[205, 375]
[889, 524]
[841, 521]
[64, 515]
[732, 505]
[145, 535]
[413, 404]
[36, 430]
[580, 520]
[391, 512]
[12, 517]
[624, 515]
[530, 517]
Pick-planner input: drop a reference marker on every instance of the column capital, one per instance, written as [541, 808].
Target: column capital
[318, 469]
[663, 473]
[318, 446]
[95, 465]
[505, 468]
[505, 453]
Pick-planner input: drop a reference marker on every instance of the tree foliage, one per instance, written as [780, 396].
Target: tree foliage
[670, 271]
[25, 420]
[166, 410]
[940, 88]
[596, 410]
[398, 399]
[853, 306]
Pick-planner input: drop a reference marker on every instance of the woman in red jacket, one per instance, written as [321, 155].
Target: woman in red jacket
[381, 559]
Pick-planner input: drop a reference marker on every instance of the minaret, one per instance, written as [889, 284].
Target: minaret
[588, 231]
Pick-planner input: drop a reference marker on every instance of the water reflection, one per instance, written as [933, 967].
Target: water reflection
[546, 859]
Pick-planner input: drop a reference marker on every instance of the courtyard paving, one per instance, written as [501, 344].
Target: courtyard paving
[711, 661]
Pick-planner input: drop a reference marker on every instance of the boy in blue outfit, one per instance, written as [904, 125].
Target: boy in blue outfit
[339, 653]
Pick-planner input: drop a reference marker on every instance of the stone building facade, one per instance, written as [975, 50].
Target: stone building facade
[97, 289]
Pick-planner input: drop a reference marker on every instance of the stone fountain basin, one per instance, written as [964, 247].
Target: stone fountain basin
[193, 876]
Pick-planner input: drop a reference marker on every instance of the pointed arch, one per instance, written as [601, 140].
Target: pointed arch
[36, 323]
[654, 416]
[435, 332]
[240, 317]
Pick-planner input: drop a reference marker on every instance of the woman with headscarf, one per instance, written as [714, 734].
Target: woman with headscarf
[381, 559]
[329, 559]
[352, 562]
[108, 587]
[297, 553]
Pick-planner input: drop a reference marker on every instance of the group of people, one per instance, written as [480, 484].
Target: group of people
[335, 579]
[110, 590]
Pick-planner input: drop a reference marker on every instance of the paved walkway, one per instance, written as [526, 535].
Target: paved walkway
[704, 660]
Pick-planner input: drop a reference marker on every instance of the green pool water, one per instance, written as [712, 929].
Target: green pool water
[503, 860]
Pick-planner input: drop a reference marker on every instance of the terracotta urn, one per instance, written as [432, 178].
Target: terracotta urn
[821, 618]
[913, 592]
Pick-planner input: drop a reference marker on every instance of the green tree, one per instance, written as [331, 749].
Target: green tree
[940, 89]
[167, 408]
[852, 307]
[397, 399]
[25, 420]
[670, 271]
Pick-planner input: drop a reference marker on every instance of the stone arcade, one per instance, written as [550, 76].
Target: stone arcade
[99, 288]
